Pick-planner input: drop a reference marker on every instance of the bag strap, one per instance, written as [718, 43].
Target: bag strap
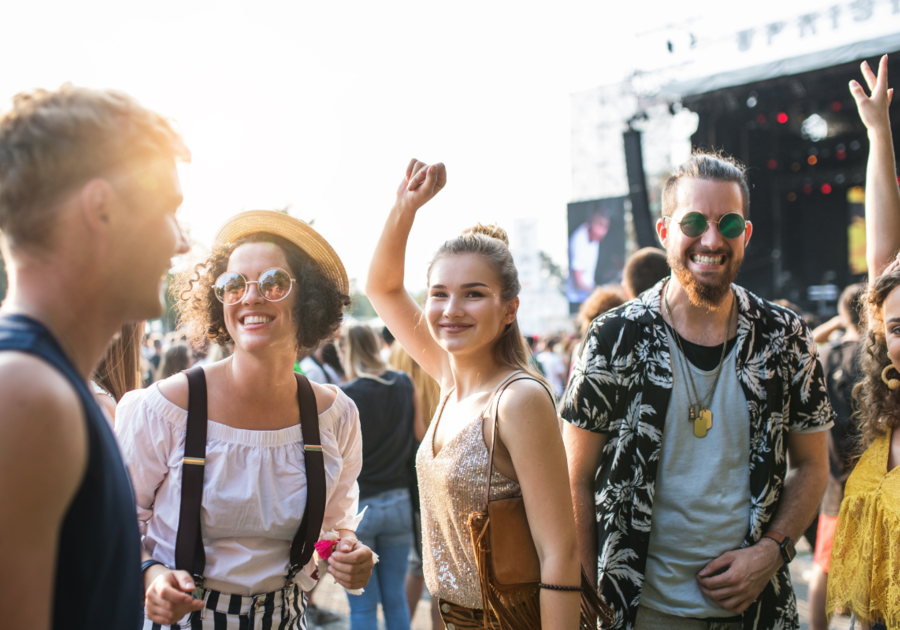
[495, 429]
[189, 553]
[305, 539]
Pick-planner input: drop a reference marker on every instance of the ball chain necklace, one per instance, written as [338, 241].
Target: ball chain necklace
[700, 415]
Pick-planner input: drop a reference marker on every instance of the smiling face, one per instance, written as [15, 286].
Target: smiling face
[254, 323]
[706, 265]
[891, 318]
[465, 309]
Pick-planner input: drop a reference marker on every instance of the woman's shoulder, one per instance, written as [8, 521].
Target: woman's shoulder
[526, 396]
[336, 408]
[141, 406]
[326, 396]
[175, 390]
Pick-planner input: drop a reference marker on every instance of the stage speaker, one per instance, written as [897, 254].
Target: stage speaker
[644, 229]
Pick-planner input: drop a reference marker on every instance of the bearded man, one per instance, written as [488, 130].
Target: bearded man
[682, 411]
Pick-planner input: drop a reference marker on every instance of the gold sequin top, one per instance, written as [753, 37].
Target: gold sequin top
[451, 486]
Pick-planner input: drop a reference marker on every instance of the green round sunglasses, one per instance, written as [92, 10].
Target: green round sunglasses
[694, 224]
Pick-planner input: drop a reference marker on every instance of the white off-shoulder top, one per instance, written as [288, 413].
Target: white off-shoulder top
[254, 487]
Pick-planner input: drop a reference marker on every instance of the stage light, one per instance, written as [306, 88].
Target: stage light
[841, 155]
[854, 146]
[792, 196]
[812, 159]
[836, 106]
[782, 117]
[839, 178]
[773, 164]
[826, 189]
[752, 101]
[761, 119]
[795, 166]
[807, 189]
[815, 128]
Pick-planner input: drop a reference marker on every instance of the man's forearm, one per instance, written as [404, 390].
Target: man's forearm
[586, 528]
[800, 498]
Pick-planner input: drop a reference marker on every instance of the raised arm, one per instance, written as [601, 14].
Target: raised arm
[384, 287]
[882, 192]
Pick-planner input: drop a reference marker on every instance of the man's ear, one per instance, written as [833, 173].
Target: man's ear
[96, 198]
[662, 230]
[747, 232]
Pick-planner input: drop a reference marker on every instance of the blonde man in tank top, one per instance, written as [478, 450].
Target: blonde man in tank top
[468, 339]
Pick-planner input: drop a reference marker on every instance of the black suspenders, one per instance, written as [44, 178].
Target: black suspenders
[189, 553]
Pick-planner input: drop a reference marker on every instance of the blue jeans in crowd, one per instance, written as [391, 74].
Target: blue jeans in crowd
[387, 530]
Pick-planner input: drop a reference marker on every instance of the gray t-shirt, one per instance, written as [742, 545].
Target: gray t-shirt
[701, 506]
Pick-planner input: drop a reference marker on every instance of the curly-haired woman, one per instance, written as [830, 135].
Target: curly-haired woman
[864, 576]
[272, 287]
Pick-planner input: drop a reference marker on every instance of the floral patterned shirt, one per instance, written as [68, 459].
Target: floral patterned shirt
[621, 386]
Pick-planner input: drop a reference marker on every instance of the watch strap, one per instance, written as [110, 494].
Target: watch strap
[146, 564]
[785, 545]
[776, 536]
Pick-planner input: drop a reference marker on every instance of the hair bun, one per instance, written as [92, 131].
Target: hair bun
[491, 230]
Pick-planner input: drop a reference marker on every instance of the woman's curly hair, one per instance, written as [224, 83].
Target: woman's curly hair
[318, 302]
[878, 408]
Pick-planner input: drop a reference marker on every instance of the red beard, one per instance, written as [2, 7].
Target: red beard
[708, 295]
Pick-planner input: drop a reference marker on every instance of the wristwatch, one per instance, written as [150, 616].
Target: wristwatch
[785, 544]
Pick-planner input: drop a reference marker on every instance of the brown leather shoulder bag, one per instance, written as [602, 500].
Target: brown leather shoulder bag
[507, 560]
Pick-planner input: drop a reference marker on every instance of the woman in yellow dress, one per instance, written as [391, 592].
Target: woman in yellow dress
[865, 558]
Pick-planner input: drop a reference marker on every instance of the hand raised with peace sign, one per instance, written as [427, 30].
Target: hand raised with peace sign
[421, 183]
[873, 109]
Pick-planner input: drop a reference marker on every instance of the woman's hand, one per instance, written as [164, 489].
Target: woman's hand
[873, 109]
[421, 183]
[168, 596]
[351, 564]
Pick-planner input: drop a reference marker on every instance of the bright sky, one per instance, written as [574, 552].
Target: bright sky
[319, 105]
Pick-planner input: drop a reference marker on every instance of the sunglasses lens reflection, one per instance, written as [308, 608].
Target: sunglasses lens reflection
[230, 288]
[732, 225]
[274, 284]
[693, 224]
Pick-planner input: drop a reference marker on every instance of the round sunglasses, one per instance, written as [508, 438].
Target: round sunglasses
[273, 285]
[694, 224]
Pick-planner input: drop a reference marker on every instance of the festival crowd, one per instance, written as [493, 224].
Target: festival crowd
[652, 471]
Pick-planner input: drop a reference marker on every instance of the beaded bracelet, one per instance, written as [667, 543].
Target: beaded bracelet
[556, 587]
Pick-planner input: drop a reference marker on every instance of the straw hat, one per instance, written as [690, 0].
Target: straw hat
[296, 231]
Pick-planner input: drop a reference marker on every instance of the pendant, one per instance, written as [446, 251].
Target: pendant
[700, 427]
[707, 415]
[702, 419]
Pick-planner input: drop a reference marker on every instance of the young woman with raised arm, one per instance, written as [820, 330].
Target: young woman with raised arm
[863, 576]
[468, 339]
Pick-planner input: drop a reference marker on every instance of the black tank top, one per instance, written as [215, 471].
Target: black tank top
[98, 572]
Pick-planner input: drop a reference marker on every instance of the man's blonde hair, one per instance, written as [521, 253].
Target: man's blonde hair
[51, 141]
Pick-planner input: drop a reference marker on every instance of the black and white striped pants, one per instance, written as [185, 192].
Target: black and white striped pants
[278, 610]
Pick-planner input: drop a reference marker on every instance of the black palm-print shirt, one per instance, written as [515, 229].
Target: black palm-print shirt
[621, 386]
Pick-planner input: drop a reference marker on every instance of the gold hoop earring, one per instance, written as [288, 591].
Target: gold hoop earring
[892, 383]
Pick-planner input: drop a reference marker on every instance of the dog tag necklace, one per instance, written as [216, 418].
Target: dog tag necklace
[699, 414]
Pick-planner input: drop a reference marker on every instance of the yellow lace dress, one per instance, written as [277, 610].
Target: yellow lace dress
[865, 560]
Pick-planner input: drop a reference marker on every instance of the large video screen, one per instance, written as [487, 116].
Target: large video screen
[596, 246]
